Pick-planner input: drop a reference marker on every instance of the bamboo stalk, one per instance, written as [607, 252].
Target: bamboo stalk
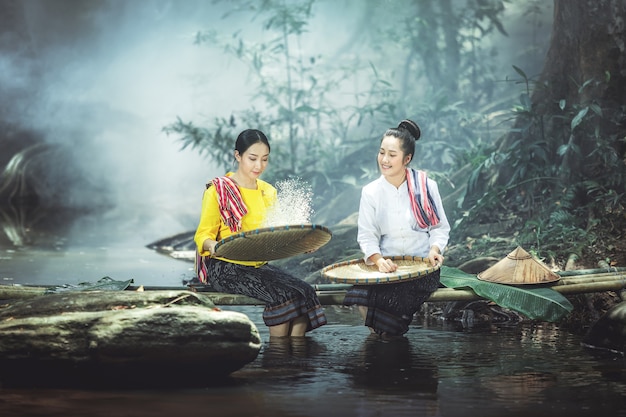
[591, 271]
[332, 294]
[591, 278]
[615, 285]
[596, 274]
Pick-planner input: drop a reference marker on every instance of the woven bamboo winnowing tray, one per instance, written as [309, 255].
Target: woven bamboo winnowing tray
[271, 243]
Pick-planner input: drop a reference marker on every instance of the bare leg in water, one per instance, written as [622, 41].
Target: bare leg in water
[280, 330]
[363, 311]
[296, 327]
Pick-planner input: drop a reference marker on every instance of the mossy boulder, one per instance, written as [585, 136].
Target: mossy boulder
[122, 338]
[609, 332]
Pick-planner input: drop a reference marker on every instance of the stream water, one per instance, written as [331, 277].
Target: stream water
[438, 369]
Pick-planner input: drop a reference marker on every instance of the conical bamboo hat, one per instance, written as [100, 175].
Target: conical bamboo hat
[519, 267]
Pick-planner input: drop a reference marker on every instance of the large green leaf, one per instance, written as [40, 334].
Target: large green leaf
[537, 303]
[103, 284]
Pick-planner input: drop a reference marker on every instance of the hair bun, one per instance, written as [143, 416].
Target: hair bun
[412, 127]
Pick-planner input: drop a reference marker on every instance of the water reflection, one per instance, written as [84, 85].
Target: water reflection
[392, 365]
[339, 370]
[520, 389]
[291, 353]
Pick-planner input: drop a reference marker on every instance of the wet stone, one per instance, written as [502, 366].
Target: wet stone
[609, 332]
[120, 338]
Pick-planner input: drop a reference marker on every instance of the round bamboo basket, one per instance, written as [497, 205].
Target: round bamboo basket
[271, 243]
[357, 272]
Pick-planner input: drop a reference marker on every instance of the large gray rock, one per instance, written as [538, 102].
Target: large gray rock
[609, 332]
[122, 338]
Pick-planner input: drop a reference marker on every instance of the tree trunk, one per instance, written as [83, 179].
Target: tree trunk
[574, 109]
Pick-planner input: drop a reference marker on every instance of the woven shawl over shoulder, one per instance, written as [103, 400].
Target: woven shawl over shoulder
[232, 207]
[422, 203]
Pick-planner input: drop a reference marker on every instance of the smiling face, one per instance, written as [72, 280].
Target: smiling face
[252, 162]
[392, 161]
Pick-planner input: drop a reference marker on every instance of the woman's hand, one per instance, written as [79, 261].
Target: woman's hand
[435, 257]
[386, 265]
[209, 245]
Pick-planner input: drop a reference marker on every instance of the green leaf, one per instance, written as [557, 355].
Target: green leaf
[306, 109]
[596, 109]
[103, 284]
[536, 303]
[526, 102]
[520, 72]
[579, 117]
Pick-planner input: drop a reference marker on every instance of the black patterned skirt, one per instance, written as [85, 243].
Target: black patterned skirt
[285, 296]
[390, 307]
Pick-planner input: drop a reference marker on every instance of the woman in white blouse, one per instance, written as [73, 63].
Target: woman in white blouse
[400, 213]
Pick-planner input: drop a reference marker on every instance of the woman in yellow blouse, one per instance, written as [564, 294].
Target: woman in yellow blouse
[238, 202]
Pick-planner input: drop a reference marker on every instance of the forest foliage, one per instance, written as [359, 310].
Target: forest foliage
[440, 63]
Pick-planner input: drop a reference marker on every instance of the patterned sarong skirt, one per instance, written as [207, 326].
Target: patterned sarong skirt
[390, 307]
[286, 297]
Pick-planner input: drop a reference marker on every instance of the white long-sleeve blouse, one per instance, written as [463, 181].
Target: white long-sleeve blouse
[386, 224]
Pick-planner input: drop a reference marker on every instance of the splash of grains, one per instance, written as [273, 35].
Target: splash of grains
[293, 204]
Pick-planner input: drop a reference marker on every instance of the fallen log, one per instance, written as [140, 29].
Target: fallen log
[573, 282]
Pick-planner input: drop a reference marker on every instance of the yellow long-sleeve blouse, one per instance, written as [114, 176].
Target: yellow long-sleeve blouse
[212, 227]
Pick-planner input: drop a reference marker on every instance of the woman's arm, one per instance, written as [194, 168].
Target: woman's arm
[368, 234]
[440, 234]
[209, 225]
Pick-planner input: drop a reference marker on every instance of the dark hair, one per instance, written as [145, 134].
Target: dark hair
[408, 132]
[248, 138]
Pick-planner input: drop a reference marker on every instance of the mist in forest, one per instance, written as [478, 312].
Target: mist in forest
[102, 79]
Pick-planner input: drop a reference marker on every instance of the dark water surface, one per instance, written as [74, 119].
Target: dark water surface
[439, 369]
[93, 247]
